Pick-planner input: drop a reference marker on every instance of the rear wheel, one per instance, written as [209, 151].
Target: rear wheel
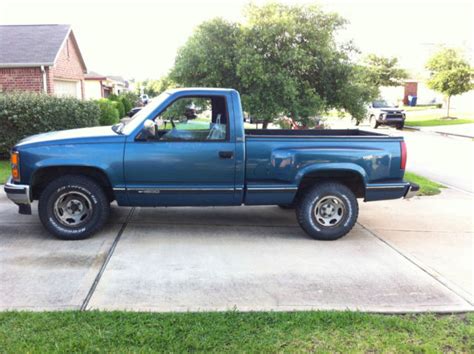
[73, 207]
[328, 211]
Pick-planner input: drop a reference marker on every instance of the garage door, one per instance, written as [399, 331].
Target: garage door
[67, 88]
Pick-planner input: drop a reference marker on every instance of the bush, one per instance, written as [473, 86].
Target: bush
[127, 106]
[108, 112]
[131, 97]
[27, 113]
[119, 107]
[128, 100]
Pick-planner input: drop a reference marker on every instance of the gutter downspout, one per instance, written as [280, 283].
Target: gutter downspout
[45, 83]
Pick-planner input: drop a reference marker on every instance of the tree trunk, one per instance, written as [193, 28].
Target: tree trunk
[264, 124]
[449, 103]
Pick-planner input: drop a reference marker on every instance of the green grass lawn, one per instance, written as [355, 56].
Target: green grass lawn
[233, 332]
[4, 171]
[433, 122]
[427, 187]
[436, 118]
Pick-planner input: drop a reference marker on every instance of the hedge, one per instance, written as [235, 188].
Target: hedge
[26, 113]
[108, 113]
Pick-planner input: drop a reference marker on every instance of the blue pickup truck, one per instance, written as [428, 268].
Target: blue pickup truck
[165, 156]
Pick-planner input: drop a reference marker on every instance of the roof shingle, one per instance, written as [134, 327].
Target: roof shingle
[24, 45]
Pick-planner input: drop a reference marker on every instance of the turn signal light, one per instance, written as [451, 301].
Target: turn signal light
[15, 163]
[15, 160]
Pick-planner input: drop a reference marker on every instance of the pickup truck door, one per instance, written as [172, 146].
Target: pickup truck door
[190, 158]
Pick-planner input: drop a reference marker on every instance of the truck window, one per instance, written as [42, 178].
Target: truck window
[193, 119]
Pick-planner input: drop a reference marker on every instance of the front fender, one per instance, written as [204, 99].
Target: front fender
[105, 157]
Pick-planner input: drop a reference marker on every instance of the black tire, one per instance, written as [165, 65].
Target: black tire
[286, 206]
[69, 193]
[400, 127]
[333, 192]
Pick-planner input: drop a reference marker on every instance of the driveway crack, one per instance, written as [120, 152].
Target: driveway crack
[92, 289]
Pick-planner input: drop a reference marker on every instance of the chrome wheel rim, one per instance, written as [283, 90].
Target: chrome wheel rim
[73, 209]
[329, 211]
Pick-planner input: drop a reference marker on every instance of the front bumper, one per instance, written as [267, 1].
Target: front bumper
[391, 121]
[20, 195]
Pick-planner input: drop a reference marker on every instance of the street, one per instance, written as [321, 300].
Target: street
[444, 159]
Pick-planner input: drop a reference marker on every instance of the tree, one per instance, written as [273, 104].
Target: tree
[450, 74]
[284, 60]
[381, 71]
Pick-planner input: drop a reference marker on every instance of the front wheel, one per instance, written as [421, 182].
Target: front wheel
[328, 211]
[400, 126]
[73, 207]
[373, 122]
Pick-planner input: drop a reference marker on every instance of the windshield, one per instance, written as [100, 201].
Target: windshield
[382, 104]
[133, 123]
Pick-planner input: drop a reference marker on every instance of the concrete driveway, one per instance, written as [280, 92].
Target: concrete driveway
[402, 257]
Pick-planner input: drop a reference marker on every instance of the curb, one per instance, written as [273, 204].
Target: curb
[440, 133]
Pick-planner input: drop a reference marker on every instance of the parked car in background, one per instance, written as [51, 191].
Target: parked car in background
[76, 174]
[382, 112]
[134, 111]
[144, 99]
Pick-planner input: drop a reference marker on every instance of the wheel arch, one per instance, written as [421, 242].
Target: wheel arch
[353, 178]
[44, 175]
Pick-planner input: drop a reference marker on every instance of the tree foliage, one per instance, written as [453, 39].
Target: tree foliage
[450, 73]
[209, 57]
[284, 60]
[155, 87]
[382, 71]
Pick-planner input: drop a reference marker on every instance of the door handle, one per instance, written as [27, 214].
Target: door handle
[226, 154]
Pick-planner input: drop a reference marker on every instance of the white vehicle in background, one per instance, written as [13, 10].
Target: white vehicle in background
[382, 112]
[144, 99]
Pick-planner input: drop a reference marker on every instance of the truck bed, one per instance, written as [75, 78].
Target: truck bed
[311, 133]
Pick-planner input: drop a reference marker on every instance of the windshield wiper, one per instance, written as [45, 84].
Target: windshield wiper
[117, 128]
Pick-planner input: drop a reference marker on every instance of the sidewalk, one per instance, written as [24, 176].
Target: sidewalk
[464, 130]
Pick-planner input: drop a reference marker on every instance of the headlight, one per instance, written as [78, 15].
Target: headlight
[404, 115]
[15, 164]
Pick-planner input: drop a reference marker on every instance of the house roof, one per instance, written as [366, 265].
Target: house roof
[32, 45]
[92, 75]
[117, 78]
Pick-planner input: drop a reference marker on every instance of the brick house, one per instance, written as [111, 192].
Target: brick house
[41, 58]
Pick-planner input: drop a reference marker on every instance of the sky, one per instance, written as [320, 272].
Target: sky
[139, 39]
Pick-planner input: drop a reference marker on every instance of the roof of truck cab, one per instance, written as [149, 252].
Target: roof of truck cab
[192, 90]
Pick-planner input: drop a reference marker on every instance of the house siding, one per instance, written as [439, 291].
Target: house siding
[21, 79]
